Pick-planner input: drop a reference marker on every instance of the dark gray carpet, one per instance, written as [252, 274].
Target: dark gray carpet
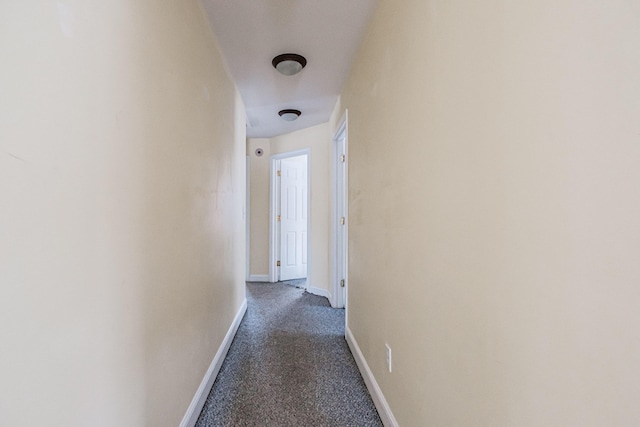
[289, 365]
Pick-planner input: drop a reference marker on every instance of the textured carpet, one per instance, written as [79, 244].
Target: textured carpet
[289, 365]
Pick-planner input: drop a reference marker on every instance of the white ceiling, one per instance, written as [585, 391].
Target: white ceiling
[251, 32]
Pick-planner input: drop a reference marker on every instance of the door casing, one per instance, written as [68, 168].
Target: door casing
[339, 231]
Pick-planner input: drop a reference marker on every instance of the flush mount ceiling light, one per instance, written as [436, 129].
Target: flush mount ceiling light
[289, 115]
[289, 63]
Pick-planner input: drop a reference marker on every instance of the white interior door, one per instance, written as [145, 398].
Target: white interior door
[293, 218]
[340, 221]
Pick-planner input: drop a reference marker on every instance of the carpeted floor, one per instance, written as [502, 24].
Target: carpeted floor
[289, 365]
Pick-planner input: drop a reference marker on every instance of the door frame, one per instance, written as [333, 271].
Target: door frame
[274, 199]
[339, 297]
[247, 220]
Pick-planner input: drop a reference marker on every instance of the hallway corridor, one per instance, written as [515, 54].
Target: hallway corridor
[289, 365]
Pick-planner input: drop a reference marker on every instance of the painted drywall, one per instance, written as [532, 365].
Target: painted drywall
[495, 212]
[121, 210]
[259, 206]
[318, 139]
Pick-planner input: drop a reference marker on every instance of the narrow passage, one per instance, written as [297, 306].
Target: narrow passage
[289, 365]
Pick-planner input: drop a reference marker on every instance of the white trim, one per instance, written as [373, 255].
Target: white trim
[318, 291]
[333, 223]
[193, 412]
[273, 198]
[247, 219]
[258, 278]
[372, 385]
[273, 229]
[339, 296]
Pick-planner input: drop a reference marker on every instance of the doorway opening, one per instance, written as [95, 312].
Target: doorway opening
[339, 223]
[289, 219]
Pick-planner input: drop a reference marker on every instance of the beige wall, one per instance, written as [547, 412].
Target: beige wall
[259, 206]
[121, 197]
[495, 212]
[318, 139]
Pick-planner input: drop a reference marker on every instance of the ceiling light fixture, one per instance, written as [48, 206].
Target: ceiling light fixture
[289, 115]
[289, 63]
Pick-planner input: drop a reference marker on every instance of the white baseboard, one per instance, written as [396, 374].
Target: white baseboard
[193, 412]
[372, 385]
[258, 278]
[318, 291]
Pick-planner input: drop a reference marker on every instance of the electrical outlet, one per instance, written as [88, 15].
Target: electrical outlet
[388, 356]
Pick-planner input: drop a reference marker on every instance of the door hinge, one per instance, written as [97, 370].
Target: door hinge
[343, 158]
[342, 283]
[279, 173]
[278, 218]
[342, 221]
[277, 263]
